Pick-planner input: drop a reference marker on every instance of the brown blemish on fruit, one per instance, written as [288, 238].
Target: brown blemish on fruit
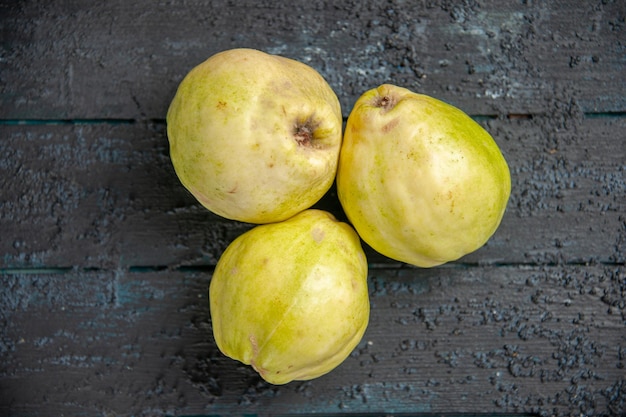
[392, 124]
[318, 234]
[255, 353]
[255, 346]
[221, 105]
[451, 199]
[304, 132]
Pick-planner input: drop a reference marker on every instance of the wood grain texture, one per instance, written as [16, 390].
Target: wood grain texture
[101, 196]
[462, 339]
[124, 59]
[105, 258]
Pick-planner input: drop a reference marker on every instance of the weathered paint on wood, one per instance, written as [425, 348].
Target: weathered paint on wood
[120, 59]
[105, 258]
[102, 195]
[467, 339]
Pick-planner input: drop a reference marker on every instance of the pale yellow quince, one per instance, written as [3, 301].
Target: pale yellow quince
[254, 137]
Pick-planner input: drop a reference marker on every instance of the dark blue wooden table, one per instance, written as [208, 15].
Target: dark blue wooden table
[105, 259]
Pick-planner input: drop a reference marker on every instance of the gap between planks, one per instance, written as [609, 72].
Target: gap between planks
[122, 121]
[139, 269]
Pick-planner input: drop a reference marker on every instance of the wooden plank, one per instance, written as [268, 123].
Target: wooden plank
[124, 60]
[105, 258]
[106, 196]
[543, 340]
[102, 196]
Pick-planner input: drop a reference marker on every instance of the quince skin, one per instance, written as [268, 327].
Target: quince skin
[290, 298]
[254, 137]
[419, 180]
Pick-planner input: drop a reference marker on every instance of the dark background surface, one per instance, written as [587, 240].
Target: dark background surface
[105, 258]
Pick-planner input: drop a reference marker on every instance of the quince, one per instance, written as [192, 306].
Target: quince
[290, 298]
[419, 180]
[254, 137]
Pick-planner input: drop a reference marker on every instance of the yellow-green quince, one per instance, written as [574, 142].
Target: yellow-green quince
[420, 180]
[290, 298]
